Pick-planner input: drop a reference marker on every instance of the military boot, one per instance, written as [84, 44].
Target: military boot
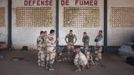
[51, 67]
[46, 65]
[78, 68]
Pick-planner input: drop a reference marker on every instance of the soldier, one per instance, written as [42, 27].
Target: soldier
[98, 48]
[85, 40]
[80, 60]
[99, 39]
[40, 48]
[89, 58]
[45, 45]
[98, 55]
[70, 39]
[51, 50]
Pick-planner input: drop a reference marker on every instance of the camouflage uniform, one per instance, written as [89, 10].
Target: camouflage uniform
[85, 40]
[51, 52]
[70, 46]
[99, 44]
[80, 60]
[41, 48]
[98, 53]
[99, 40]
[89, 57]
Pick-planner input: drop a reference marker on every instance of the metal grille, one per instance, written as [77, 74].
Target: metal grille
[2, 16]
[81, 17]
[122, 17]
[33, 16]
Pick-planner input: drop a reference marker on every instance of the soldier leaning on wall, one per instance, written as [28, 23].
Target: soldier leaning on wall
[85, 40]
[70, 39]
[41, 49]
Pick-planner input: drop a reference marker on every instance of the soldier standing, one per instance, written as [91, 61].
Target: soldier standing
[98, 48]
[85, 40]
[99, 39]
[40, 48]
[45, 45]
[70, 39]
[51, 50]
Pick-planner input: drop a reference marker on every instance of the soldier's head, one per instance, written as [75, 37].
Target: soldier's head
[41, 33]
[84, 33]
[71, 32]
[100, 32]
[77, 49]
[52, 31]
[45, 33]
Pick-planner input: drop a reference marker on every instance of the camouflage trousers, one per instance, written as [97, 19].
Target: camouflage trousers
[50, 57]
[86, 47]
[98, 54]
[41, 58]
[70, 52]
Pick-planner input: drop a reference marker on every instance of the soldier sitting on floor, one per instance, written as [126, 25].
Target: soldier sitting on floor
[89, 58]
[80, 60]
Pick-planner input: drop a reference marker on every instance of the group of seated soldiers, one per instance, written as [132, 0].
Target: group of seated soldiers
[48, 52]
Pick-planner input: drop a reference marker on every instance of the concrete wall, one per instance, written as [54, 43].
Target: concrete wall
[92, 32]
[3, 29]
[119, 36]
[26, 36]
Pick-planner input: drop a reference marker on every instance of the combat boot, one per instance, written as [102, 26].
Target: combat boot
[78, 68]
[51, 67]
[46, 65]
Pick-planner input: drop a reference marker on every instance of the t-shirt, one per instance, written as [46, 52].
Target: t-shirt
[71, 38]
[99, 40]
[85, 40]
[81, 58]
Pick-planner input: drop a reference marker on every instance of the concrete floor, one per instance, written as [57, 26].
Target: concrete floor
[113, 65]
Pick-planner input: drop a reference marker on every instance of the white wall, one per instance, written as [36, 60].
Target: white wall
[26, 36]
[3, 29]
[119, 36]
[92, 32]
